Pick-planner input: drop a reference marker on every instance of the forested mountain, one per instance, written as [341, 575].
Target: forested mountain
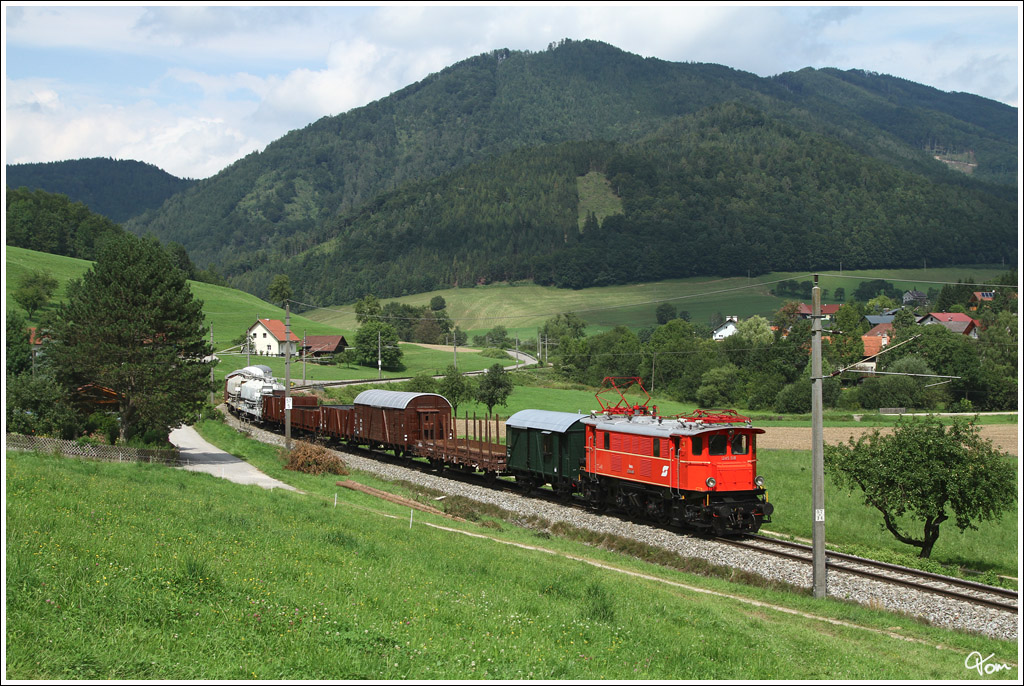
[52, 223]
[727, 191]
[117, 189]
[470, 175]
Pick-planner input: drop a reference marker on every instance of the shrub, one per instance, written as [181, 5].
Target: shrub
[309, 458]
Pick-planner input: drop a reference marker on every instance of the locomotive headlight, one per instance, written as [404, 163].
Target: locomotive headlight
[711, 482]
[759, 481]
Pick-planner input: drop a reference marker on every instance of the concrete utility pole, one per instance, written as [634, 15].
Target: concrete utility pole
[817, 449]
[212, 380]
[287, 377]
[380, 374]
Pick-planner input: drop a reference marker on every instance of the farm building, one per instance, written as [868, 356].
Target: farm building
[324, 346]
[267, 337]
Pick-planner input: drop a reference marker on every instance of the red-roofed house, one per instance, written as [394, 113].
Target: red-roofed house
[321, 346]
[827, 311]
[876, 339]
[956, 322]
[267, 337]
[979, 297]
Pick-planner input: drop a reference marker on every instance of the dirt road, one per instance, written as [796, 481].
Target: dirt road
[1004, 437]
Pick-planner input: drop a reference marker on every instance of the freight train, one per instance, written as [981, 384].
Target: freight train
[697, 471]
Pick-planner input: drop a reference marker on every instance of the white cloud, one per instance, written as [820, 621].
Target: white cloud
[196, 87]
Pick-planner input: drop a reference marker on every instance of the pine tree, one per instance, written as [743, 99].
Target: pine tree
[131, 326]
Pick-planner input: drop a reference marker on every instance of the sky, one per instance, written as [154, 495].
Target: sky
[192, 88]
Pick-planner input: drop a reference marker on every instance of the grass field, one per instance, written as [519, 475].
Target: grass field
[143, 572]
[520, 308]
[523, 308]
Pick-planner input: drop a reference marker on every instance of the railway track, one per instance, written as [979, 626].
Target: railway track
[953, 588]
[948, 587]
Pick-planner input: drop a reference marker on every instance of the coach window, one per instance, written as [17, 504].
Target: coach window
[740, 444]
[718, 444]
[698, 445]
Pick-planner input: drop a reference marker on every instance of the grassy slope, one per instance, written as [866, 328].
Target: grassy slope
[230, 312]
[523, 308]
[184, 576]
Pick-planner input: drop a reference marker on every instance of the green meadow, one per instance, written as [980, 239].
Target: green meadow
[134, 571]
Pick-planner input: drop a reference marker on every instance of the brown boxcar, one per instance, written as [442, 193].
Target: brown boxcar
[395, 420]
[273, 406]
[337, 421]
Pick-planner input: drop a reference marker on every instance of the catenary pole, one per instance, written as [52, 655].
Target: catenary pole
[817, 450]
[287, 377]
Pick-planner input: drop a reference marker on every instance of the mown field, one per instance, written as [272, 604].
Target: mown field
[520, 308]
[523, 308]
[144, 572]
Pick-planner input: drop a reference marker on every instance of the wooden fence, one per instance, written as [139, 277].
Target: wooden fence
[105, 453]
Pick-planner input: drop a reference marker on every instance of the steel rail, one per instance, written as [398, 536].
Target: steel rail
[885, 575]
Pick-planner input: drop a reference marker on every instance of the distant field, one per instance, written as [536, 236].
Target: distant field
[520, 308]
[523, 308]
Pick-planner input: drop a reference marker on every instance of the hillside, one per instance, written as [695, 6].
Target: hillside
[729, 191]
[314, 184]
[117, 189]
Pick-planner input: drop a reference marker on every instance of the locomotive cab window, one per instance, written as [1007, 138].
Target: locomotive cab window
[740, 444]
[607, 440]
[697, 445]
[656, 448]
[718, 444]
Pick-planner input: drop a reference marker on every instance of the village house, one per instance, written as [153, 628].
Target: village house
[956, 322]
[267, 337]
[827, 311]
[914, 299]
[727, 328]
[979, 297]
[324, 346]
[877, 338]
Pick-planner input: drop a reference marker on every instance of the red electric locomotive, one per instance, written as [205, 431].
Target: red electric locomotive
[698, 471]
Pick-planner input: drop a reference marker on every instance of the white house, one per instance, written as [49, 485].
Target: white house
[267, 337]
[727, 329]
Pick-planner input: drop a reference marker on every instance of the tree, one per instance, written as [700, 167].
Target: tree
[756, 330]
[18, 344]
[455, 387]
[925, 472]
[718, 386]
[132, 327]
[367, 308]
[280, 289]
[494, 388]
[179, 256]
[35, 291]
[437, 303]
[38, 405]
[374, 336]
[665, 313]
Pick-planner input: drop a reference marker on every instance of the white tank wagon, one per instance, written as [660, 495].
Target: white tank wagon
[244, 390]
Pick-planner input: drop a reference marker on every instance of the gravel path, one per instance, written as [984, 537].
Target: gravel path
[947, 613]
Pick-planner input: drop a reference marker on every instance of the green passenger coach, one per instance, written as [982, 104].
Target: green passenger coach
[545, 447]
